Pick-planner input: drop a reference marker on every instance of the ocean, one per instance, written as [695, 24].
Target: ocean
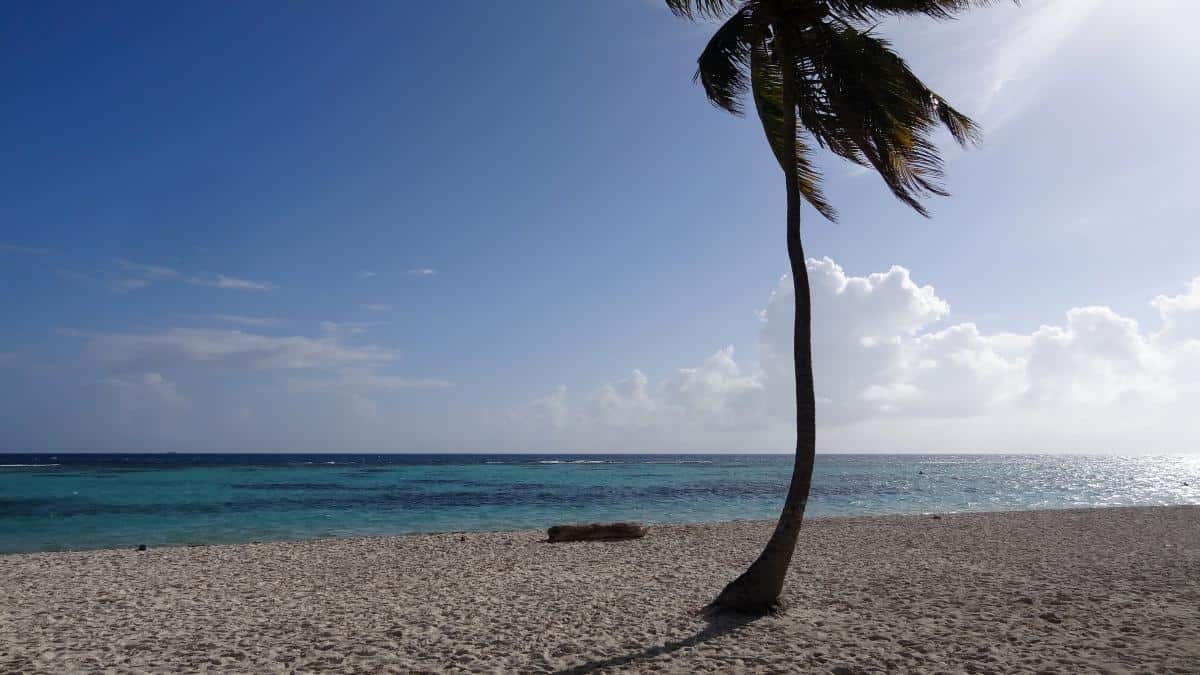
[86, 501]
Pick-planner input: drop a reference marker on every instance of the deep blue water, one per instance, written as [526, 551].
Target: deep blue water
[76, 501]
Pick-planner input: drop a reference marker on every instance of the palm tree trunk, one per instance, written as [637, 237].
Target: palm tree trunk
[758, 588]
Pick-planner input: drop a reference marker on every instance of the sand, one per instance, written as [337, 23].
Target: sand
[1103, 590]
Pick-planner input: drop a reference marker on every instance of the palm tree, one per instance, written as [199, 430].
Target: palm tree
[818, 73]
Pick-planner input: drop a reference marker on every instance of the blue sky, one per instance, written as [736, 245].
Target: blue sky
[392, 226]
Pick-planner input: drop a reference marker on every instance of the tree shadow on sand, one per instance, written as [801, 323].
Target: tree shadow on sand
[718, 625]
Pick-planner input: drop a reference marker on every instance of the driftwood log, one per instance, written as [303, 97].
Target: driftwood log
[596, 532]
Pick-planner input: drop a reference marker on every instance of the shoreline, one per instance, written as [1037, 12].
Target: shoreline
[1114, 589]
[650, 524]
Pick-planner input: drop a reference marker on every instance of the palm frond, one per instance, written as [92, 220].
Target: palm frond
[870, 106]
[962, 128]
[723, 65]
[867, 10]
[767, 83]
[702, 9]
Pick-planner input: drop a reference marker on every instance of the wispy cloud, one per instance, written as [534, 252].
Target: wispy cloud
[232, 283]
[376, 307]
[366, 274]
[179, 347]
[246, 320]
[145, 274]
[355, 386]
[126, 285]
[422, 272]
[148, 271]
[72, 275]
[26, 250]
[348, 327]
[1029, 51]
[357, 379]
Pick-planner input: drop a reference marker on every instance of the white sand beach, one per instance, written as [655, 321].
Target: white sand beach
[1101, 590]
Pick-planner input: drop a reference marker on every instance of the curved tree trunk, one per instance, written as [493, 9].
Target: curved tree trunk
[758, 588]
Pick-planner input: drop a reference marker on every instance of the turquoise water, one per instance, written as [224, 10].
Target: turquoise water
[59, 502]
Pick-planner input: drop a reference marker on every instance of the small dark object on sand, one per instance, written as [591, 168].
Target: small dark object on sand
[462, 538]
[936, 517]
[596, 532]
[141, 547]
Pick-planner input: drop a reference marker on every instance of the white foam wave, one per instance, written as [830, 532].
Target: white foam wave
[12, 466]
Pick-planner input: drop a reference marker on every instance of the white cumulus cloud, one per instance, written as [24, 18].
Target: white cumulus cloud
[146, 398]
[884, 363]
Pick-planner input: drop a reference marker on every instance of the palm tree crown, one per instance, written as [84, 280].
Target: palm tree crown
[854, 95]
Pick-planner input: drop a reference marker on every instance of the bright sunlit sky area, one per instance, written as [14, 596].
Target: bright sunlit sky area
[482, 226]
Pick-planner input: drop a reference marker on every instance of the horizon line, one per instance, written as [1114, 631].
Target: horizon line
[602, 452]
